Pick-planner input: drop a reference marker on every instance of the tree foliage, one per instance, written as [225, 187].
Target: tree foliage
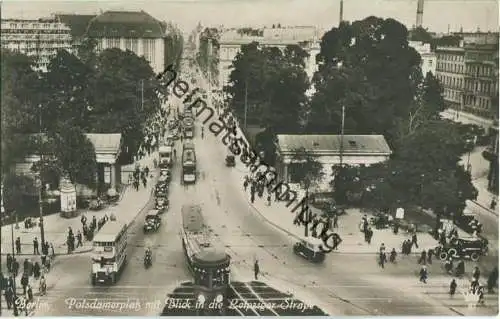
[19, 102]
[376, 83]
[75, 154]
[307, 169]
[420, 34]
[272, 82]
[68, 96]
[428, 103]
[423, 172]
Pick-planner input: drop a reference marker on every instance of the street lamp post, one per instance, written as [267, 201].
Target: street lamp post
[40, 201]
[469, 166]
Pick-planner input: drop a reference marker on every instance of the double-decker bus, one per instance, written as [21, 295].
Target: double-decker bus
[208, 262]
[110, 252]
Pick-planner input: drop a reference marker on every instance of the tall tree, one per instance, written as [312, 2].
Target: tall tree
[121, 81]
[420, 34]
[427, 105]
[19, 111]
[374, 81]
[67, 94]
[75, 154]
[273, 85]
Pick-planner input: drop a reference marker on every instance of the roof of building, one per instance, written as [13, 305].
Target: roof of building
[117, 24]
[78, 23]
[105, 143]
[357, 144]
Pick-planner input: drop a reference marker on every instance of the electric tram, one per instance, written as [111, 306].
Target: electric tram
[208, 263]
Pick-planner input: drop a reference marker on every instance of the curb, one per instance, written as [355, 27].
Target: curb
[336, 252]
[65, 254]
[90, 249]
[493, 212]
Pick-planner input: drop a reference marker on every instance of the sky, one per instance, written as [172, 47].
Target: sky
[439, 15]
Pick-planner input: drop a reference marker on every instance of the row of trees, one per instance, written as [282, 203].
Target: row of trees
[369, 68]
[91, 93]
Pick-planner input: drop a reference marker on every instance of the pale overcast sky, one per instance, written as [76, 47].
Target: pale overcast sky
[438, 14]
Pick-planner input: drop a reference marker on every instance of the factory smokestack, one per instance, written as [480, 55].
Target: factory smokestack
[420, 13]
[341, 13]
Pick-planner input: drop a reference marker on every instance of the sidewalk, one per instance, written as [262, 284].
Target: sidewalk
[484, 197]
[56, 227]
[353, 242]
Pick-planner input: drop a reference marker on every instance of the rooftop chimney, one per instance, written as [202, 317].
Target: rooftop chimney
[341, 13]
[420, 13]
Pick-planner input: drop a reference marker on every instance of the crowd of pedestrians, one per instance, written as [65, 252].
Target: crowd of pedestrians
[32, 271]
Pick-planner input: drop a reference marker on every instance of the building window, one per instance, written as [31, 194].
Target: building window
[128, 44]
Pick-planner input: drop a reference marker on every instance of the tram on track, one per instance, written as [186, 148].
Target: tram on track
[208, 262]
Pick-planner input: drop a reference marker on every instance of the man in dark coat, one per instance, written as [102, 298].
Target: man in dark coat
[9, 263]
[35, 247]
[24, 282]
[414, 240]
[256, 269]
[18, 245]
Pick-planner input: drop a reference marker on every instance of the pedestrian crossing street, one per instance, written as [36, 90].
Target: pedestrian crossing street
[437, 290]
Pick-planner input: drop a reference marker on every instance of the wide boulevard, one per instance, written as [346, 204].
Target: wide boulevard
[345, 284]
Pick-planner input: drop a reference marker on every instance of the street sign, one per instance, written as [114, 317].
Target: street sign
[400, 213]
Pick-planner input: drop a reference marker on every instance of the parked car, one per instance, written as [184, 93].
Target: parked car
[310, 249]
[469, 248]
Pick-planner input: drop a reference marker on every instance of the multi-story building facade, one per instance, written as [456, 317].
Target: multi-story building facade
[135, 31]
[231, 41]
[40, 38]
[469, 73]
[481, 76]
[450, 71]
[429, 59]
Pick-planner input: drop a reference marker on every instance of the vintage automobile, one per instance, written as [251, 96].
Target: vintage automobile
[381, 220]
[164, 176]
[466, 222]
[162, 204]
[230, 162]
[161, 190]
[470, 248]
[170, 141]
[310, 249]
[152, 221]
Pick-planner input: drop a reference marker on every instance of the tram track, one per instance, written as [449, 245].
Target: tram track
[325, 289]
